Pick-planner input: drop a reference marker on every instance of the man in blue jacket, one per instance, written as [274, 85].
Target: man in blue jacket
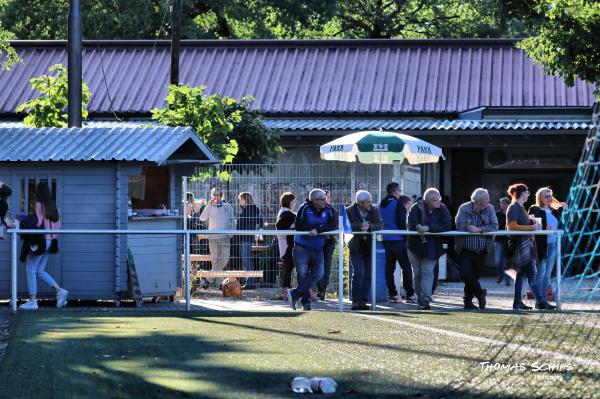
[394, 212]
[314, 217]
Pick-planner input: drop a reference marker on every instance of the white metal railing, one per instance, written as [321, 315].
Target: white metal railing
[340, 233]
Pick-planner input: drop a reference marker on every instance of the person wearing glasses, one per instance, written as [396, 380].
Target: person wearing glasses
[219, 215]
[429, 215]
[549, 210]
[523, 257]
[314, 217]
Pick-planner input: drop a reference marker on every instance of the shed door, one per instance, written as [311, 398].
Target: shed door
[24, 196]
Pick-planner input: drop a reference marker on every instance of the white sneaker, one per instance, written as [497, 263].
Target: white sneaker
[29, 305]
[61, 298]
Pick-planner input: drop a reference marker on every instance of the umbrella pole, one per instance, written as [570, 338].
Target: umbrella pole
[379, 186]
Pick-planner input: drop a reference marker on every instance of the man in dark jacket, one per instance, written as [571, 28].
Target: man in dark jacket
[363, 217]
[428, 215]
[314, 217]
[328, 249]
[393, 209]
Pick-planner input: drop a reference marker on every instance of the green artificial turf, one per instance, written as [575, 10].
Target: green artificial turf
[144, 354]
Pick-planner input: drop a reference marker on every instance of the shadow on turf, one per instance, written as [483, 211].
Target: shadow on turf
[89, 367]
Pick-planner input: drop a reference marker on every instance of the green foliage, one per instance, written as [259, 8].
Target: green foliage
[430, 19]
[273, 19]
[7, 53]
[259, 144]
[229, 128]
[49, 110]
[101, 19]
[568, 44]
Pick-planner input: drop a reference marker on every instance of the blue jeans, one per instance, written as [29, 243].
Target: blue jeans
[246, 254]
[531, 274]
[361, 275]
[309, 270]
[500, 261]
[34, 267]
[545, 268]
[327, 258]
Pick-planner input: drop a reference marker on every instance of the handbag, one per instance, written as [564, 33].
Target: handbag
[53, 248]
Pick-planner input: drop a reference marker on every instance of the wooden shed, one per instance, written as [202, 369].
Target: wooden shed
[91, 170]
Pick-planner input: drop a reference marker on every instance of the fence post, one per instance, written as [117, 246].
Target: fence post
[341, 263]
[373, 270]
[186, 268]
[13, 273]
[558, 271]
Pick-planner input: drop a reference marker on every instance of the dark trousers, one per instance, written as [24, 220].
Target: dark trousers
[361, 275]
[436, 275]
[529, 272]
[471, 265]
[327, 258]
[287, 268]
[395, 251]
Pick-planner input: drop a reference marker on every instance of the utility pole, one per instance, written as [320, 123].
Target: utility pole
[175, 40]
[74, 65]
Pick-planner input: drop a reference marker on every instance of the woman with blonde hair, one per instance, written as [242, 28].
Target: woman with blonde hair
[523, 261]
[549, 210]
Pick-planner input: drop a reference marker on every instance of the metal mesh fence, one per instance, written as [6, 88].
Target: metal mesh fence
[265, 185]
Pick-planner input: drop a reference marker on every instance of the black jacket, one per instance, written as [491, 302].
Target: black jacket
[541, 242]
[360, 243]
[285, 221]
[416, 217]
[248, 220]
[37, 241]
[3, 211]
[501, 226]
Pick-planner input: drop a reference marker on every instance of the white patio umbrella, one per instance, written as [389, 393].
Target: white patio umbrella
[380, 147]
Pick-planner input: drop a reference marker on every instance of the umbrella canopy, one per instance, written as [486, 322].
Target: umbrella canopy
[380, 148]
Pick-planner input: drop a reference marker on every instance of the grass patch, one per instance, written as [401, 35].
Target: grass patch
[132, 354]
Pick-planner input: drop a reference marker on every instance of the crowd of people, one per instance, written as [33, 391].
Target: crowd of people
[516, 257]
[522, 256]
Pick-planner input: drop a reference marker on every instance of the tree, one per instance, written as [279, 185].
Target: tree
[49, 110]
[258, 144]
[8, 55]
[431, 19]
[568, 44]
[274, 19]
[101, 19]
[220, 122]
[151, 19]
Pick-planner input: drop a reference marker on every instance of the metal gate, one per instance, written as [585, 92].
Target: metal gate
[266, 183]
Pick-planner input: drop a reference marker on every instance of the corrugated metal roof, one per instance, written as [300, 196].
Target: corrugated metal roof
[154, 144]
[308, 77]
[420, 125]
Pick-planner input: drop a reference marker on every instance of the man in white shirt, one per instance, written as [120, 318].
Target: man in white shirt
[220, 216]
